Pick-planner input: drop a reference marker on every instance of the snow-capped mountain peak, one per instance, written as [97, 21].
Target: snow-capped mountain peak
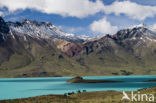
[41, 30]
[139, 32]
[140, 25]
[26, 21]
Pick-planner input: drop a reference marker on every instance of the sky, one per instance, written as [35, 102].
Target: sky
[83, 17]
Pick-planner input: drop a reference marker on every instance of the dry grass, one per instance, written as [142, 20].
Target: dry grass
[87, 97]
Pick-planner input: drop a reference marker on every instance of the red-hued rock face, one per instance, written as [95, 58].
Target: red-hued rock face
[71, 49]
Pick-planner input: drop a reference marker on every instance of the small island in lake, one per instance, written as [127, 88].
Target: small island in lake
[153, 80]
[81, 80]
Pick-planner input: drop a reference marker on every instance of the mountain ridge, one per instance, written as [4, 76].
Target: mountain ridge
[32, 48]
[41, 30]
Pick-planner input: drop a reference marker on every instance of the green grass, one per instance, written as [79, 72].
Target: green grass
[37, 57]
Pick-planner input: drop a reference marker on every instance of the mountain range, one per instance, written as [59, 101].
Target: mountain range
[32, 49]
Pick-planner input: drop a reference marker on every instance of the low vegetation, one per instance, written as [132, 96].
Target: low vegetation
[83, 97]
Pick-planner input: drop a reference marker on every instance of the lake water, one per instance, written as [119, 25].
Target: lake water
[12, 88]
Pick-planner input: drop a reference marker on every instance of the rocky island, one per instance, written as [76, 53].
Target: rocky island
[153, 80]
[81, 80]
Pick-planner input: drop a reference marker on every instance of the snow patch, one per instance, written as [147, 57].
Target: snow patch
[43, 30]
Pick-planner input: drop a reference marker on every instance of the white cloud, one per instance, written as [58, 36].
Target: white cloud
[81, 8]
[77, 8]
[103, 26]
[1, 13]
[153, 26]
[131, 9]
[75, 30]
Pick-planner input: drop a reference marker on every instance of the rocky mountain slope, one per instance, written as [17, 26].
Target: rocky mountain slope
[31, 48]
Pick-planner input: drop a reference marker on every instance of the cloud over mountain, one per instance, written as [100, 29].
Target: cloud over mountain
[131, 9]
[103, 26]
[76, 8]
[81, 8]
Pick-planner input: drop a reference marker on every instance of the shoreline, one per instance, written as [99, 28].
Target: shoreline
[74, 76]
[83, 97]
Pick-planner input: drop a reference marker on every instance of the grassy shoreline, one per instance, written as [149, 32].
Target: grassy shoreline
[85, 97]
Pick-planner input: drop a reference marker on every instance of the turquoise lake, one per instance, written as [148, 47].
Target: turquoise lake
[12, 88]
